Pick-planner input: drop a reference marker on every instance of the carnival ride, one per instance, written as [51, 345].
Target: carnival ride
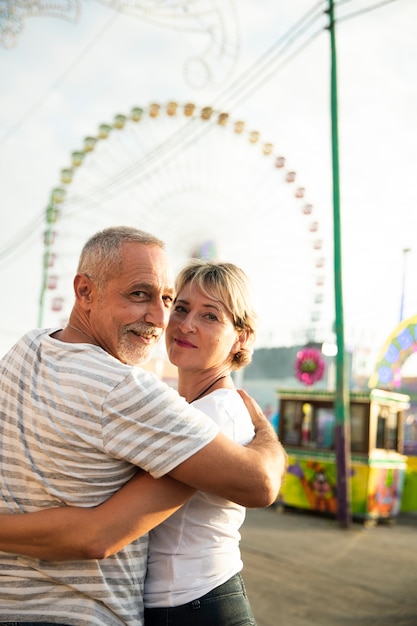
[399, 346]
[208, 186]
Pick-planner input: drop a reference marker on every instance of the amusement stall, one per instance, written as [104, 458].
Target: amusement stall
[388, 374]
[378, 465]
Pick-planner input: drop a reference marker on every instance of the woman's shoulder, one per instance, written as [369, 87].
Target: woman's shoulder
[227, 409]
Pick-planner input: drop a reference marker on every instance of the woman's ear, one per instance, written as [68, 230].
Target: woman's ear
[241, 341]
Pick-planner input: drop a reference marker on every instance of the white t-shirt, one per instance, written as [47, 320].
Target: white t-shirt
[74, 423]
[197, 548]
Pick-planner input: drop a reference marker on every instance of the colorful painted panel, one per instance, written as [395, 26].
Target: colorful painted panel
[409, 499]
[311, 484]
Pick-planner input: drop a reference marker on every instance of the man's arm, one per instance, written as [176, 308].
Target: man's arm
[68, 533]
[249, 475]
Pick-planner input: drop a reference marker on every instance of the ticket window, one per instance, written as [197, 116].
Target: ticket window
[359, 427]
[307, 425]
[410, 432]
[387, 428]
[291, 417]
[312, 425]
[324, 423]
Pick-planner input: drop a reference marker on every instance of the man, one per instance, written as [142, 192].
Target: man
[78, 419]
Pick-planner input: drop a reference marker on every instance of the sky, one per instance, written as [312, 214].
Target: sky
[264, 62]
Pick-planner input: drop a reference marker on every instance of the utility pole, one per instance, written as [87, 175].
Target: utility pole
[342, 426]
[402, 304]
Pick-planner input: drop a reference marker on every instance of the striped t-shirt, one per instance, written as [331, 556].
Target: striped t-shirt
[74, 423]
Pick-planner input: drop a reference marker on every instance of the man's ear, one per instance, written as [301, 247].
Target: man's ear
[83, 288]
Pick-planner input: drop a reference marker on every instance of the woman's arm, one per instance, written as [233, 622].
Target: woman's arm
[72, 533]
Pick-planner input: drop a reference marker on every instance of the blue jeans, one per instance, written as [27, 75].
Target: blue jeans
[226, 605]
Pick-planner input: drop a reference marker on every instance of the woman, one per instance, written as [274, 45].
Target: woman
[194, 560]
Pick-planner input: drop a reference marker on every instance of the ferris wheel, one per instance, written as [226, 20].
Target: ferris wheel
[209, 186]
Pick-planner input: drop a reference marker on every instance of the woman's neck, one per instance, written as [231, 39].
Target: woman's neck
[194, 385]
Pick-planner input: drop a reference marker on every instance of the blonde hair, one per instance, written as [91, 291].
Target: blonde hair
[228, 284]
[101, 256]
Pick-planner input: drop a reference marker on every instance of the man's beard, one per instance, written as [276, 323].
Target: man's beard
[134, 354]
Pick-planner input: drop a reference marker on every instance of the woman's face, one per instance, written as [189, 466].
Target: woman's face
[200, 333]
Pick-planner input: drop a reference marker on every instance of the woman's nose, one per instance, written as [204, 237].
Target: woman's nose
[187, 325]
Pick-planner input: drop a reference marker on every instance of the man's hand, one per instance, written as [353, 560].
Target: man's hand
[249, 475]
[257, 416]
[265, 435]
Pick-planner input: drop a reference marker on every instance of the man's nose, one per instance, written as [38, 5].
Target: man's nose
[157, 314]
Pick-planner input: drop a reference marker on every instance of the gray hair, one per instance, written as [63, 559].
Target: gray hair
[101, 256]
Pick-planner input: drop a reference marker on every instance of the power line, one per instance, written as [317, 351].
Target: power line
[367, 9]
[23, 236]
[262, 70]
[44, 97]
[275, 51]
[241, 88]
[187, 135]
[273, 70]
[257, 74]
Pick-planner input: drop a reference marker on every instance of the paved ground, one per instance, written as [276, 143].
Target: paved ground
[301, 569]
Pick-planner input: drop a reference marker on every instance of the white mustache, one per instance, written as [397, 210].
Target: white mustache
[145, 330]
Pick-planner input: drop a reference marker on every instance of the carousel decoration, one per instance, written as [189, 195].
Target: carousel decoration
[13, 14]
[309, 366]
[215, 21]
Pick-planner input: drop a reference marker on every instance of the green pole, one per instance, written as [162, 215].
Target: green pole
[45, 264]
[342, 428]
[48, 234]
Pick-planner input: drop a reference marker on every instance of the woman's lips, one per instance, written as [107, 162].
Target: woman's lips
[183, 343]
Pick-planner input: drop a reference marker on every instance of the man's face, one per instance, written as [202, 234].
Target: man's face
[129, 316]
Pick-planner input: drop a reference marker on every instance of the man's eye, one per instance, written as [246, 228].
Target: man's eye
[139, 294]
[168, 300]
